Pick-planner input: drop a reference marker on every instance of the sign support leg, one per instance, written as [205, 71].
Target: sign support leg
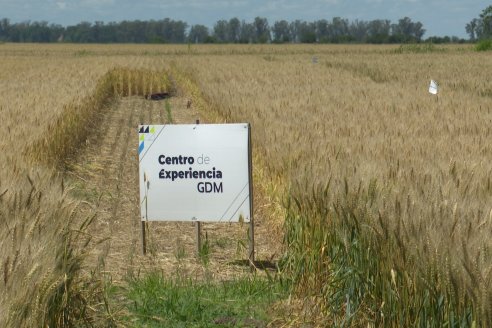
[252, 243]
[144, 223]
[144, 240]
[198, 238]
[251, 219]
[198, 228]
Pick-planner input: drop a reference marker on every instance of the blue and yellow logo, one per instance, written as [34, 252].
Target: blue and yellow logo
[146, 133]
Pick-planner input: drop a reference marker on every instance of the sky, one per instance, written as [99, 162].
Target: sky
[439, 17]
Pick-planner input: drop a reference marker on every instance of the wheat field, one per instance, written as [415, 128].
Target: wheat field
[364, 149]
[381, 192]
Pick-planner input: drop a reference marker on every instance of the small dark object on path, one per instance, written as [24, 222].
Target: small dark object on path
[158, 96]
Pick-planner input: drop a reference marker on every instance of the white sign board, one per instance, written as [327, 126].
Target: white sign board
[191, 172]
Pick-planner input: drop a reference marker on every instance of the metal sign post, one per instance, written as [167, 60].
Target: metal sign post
[144, 223]
[198, 228]
[251, 219]
[144, 242]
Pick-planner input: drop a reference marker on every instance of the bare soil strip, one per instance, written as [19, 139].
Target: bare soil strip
[106, 173]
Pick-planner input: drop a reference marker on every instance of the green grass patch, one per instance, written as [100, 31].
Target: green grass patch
[156, 301]
[83, 53]
[419, 48]
[484, 45]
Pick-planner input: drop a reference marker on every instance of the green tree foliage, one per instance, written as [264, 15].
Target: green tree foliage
[198, 34]
[152, 31]
[281, 32]
[234, 30]
[407, 31]
[221, 31]
[379, 31]
[480, 28]
[262, 30]
[247, 32]
[486, 18]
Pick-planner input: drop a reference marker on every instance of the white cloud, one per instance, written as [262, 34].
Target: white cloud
[97, 3]
[199, 4]
[61, 5]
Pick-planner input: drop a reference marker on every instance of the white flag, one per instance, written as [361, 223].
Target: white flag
[433, 87]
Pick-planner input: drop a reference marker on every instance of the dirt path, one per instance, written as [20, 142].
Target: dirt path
[106, 173]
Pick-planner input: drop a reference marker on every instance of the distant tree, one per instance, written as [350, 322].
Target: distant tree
[4, 29]
[198, 34]
[339, 30]
[455, 39]
[247, 33]
[262, 30]
[234, 33]
[107, 33]
[307, 32]
[281, 33]
[472, 28]
[174, 31]
[378, 31]
[358, 30]
[486, 19]
[295, 30]
[407, 31]
[322, 30]
[82, 33]
[480, 28]
[221, 31]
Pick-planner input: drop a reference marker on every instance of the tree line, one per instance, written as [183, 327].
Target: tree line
[336, 30]
[154, 31]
